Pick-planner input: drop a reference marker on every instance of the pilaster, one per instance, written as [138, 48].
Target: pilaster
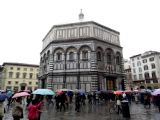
[94, 82]
[93, 61]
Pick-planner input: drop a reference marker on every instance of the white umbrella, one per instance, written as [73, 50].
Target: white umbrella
[136, 90]
[156, 92]
[43, 92]
[65, 89]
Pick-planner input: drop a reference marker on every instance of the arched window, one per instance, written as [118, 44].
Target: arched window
[71, 56]
[99, 56]
[109, 58]
[84, 55]
[59, 56]
[118, 60]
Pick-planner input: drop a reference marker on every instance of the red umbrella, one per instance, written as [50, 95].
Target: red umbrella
[20, 94]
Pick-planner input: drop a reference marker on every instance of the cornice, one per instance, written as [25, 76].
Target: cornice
[19, 64]
[80, 23]
[77, 40]
[85, 23]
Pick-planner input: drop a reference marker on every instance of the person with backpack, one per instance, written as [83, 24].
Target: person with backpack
[17, 111]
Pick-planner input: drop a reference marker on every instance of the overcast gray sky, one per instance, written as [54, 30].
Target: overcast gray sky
[24, 23]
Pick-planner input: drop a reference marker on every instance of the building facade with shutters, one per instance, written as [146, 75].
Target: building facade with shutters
[82, 55]
[19, 76]
[146, 70]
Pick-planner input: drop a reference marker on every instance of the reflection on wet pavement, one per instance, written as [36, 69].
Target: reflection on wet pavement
[95, 112]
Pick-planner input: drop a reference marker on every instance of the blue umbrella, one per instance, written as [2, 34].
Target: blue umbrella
[9, 93]
[43, 92]
[3, 97]
[70, 93]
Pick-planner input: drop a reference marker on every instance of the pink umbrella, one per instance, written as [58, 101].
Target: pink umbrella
[59, 91]
[118, 92]
[20, 94]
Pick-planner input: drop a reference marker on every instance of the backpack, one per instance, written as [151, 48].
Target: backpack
[17, 111]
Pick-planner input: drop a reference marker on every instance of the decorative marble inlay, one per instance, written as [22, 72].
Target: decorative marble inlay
[81, 31]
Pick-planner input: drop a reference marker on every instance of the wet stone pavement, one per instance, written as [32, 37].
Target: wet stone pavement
[94, 112]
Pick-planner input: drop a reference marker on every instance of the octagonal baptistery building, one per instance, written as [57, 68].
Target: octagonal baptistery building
[82, 55]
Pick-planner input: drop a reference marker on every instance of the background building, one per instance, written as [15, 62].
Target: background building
[1, 69]
[146, 69]
[128, 74]
[19, 76]
[83, 55]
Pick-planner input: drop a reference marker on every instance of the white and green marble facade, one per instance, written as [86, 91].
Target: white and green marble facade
[81, 55]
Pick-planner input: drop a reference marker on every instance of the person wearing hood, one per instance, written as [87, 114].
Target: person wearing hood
[33, 110]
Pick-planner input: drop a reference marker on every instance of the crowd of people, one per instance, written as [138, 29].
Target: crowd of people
[63, 99]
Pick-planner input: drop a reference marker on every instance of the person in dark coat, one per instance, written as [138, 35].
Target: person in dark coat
[158, 102]
[63, 99]
[77, 102]
[89, 96]
[57, 100]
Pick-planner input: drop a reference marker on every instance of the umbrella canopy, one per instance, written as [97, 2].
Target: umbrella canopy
[43, 92]
[9, 93]
[2, 91]
[20, 94]
[75, 90]
[135, 90]
[65, 89]
[59, 91]
[148, 90]
[70, 93]
[118, 92]
[3, 97]
[156, 92]
[127, 91]
[79, 91]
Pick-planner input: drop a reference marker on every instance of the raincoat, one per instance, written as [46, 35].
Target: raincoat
[33, 111]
